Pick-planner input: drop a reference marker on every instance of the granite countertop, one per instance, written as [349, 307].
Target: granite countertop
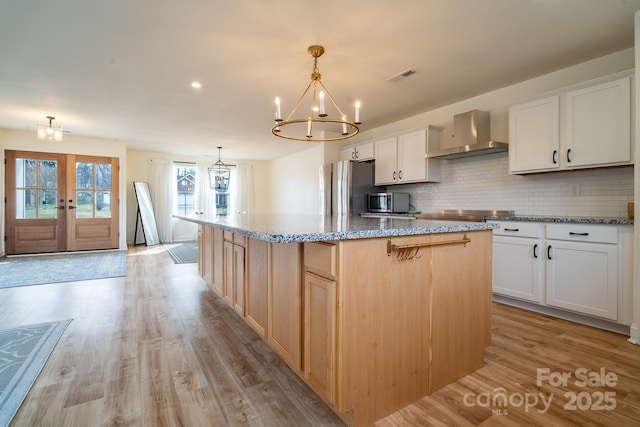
[563, 219]
[290, 228]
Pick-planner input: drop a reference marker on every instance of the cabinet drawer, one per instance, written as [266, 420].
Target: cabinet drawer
[583, 233]
[320, 258]
[518, 229]
[239, 239]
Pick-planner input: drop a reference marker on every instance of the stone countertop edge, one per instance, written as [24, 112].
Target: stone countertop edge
[566, 220]
[362, 228]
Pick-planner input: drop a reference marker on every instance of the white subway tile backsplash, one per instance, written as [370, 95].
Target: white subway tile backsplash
[484, 182]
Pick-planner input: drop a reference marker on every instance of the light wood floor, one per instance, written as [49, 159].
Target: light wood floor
[158, 348]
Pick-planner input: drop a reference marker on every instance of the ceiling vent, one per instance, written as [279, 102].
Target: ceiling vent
[401, 75]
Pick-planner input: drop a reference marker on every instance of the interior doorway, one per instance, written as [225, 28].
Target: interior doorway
[60, 202]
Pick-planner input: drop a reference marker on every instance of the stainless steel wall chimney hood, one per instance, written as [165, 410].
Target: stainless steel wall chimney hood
[471, 132]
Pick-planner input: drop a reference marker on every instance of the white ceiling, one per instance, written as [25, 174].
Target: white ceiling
[122, 69]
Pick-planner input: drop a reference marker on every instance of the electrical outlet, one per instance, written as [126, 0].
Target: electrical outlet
[575, 189]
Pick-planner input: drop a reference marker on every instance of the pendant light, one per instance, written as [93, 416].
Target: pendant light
[219, 174]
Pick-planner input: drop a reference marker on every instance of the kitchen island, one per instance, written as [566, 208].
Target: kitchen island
[371, 313]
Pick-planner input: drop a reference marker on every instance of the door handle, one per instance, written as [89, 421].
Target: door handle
[568, 156]
[400, 175]
[549, 251]
[511, 229]
[553, 157]
[61, 207]
[394, 175]
[535, 248]
[571, 233]
[72, 207]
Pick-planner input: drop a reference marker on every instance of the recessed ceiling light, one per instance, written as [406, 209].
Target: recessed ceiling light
[196, 84]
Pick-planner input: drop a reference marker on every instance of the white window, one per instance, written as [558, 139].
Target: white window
[185, 185]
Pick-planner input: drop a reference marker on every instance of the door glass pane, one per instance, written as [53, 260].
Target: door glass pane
[103, 204]
[25, 173]
[103, 176]
[47, 204]
[47, 174]
[84, 176]
[25, 204]
[84, 204]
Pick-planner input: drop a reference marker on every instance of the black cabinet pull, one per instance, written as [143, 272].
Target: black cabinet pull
[549, 251]
[394, 175]
[511, 229]
[535, 248]
[553, 157]
[400, 175]
[568, 157]
[571, 233]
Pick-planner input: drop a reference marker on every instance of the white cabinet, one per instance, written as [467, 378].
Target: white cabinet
[586, 126]
[360, 153]
[534, 135]
[518, 261]
[582, 269]
[401, 159]
[598, 130]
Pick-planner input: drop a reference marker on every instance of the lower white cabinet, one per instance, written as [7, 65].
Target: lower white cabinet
[583, 268]
[518, 262]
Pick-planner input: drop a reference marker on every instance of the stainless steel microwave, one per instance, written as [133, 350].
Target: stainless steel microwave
[388, 202]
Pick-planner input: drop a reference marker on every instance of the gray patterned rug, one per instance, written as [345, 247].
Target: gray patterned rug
[23, 353]
[41, 269]
[183, 253]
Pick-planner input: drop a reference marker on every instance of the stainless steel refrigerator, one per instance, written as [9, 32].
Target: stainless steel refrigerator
[344, 186]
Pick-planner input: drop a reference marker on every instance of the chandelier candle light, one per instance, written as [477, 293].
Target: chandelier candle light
[50, 132]
[316, 126]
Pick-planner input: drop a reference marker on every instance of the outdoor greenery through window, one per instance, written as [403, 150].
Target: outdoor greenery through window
[185, 174]
[93, 190]
[36, 189]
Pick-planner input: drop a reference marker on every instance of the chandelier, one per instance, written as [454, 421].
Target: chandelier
[50, 132]
[316, 125]
[219, 175]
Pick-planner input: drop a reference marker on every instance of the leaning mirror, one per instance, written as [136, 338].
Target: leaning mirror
[145, 214]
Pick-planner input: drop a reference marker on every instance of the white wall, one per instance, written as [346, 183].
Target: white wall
[139, 169]
[71, 144]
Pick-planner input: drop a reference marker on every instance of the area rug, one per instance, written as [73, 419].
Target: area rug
[41, 269]
[23, 353]
[183, 253]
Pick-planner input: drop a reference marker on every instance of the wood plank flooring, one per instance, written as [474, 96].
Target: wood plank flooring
[158, 348]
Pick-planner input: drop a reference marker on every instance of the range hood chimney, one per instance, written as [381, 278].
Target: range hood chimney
[471, 133]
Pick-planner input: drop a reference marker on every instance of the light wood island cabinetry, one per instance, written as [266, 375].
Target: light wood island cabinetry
[370, 324]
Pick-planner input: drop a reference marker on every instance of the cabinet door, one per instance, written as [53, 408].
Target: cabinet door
[386, 154]
[534, 135]
[348, 153]
[238, 279]
[218, 261]
[257, 286]
[412, 165]
[583, 277]
[206, 251]
[598, 128]
[364, 152]
[319, 335]
[227, 274]
[285, 301]
[517, 267]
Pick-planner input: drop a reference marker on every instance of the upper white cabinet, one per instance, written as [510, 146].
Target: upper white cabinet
[359, 153]
[401, 159]
[585, 127]
[598, 130]
[534, 135]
